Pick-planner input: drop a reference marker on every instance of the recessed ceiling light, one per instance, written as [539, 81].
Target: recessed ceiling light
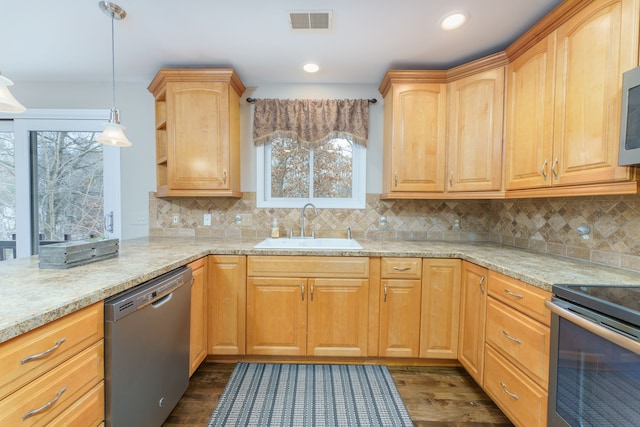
[310, 67]
[454, 19]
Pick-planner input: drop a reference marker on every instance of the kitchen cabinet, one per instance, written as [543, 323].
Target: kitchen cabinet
[440, 310]
[517, 349]
[473, 303]
[564, 105]
[197, 132]
[400, 307]
[414, 140]
[307, 305]
[227, 304]
[475, 130]
[198, 322]
[61, 363]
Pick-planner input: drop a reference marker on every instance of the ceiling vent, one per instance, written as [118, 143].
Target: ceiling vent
[316, 20]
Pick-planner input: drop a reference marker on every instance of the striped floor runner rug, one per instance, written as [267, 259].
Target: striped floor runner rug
[310, 395]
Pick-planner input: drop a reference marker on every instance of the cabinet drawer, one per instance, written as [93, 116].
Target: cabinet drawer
[524, 402]
[520, 339]
[87, 411]
[521, 296]
[308, 266]
[69, 381]
[73, 332]
[401, 268]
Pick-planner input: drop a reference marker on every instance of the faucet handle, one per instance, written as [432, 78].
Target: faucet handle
[313, 233]
[349, 233]
[291, 233]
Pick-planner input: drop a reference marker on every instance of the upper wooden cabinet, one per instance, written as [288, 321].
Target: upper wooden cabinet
[197, 132]
[475, 128]
[564, 94]
[415, 111]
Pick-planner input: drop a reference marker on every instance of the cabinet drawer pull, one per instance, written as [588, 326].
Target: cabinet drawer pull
[543, 170]
[302, 291]
[513, 294]
[311, 289]
[44, 353]
[385, 292]
[45, 406]
[480, 284]
[402, 268]
[504, 387]
[553, 168]
[515, 340]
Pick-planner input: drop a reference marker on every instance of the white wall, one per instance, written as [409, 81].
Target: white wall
[137, 115]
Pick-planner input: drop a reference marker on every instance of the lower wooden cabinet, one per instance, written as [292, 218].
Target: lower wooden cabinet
[198, 323]
[295, 307]
[473, 303]
[440, 311]
[227, 304]
[400, 318]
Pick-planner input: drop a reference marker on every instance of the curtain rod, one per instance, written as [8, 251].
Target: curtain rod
[371, 101]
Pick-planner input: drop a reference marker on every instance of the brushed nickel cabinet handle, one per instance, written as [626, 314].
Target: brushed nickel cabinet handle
[543, 170]
[513, 294]
[44, 353]
[45, 406]
[451, 179]
[553, 168]
[515, 340]
[506, 390]
[224, 177]
[395, 178]
[385, 292]
[311, 289]
[480, 284]
[402, 268]
[302, 291]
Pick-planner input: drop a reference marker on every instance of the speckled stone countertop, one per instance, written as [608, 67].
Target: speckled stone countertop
[31, 297]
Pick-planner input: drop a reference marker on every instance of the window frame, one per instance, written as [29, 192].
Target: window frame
[81, 120]
[263, 184]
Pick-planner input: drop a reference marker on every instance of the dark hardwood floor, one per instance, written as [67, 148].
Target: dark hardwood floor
[434, 397]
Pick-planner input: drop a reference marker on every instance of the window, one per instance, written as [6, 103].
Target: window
[63, 181]
[330, 176]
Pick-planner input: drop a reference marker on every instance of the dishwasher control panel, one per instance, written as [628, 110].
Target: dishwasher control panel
[142, 295]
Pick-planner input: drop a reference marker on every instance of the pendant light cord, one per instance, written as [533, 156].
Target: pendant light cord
[113, 63]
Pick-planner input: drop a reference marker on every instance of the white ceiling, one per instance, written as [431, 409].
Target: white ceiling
[70, 40]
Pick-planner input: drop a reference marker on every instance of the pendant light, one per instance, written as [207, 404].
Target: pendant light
[8, 104]
[113, 133]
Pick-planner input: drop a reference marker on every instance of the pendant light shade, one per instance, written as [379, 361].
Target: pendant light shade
[113, 133]
[8, 104]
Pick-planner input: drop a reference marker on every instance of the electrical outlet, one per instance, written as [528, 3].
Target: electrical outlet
[176, 219]
[206, 220]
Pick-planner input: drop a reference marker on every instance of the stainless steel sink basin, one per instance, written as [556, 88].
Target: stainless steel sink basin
[309, 243]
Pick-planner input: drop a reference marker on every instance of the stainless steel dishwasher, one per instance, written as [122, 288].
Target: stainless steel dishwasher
[147, 350]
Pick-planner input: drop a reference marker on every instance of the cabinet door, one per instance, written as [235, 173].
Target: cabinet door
[476, 110]
[594, 48]
[198, 135]
[529, 127]
[198, 325]
[440, 311]
[227, 304]
[473, 306]
[414, 139]
[338, 317]
[277, 316]
[399, 318]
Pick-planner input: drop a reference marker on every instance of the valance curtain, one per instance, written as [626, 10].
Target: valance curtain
[311, 121]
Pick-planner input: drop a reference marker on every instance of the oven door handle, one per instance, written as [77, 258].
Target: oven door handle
[594, 328]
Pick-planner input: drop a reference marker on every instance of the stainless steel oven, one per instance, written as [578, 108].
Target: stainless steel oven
[594, 365]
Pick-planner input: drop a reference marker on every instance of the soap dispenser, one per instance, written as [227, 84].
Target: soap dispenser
[275, 229]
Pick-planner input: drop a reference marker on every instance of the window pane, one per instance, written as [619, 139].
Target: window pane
[333, 169]
[7, 196]
[289, 169]
[70, 185]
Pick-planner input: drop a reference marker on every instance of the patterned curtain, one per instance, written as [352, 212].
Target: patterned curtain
[311, 121]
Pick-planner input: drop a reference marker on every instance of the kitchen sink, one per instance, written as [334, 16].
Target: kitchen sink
[309, 243]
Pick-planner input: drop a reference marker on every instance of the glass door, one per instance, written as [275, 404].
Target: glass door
[7, 191]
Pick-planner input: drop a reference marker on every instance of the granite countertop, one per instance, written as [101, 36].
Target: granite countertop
[31, 297]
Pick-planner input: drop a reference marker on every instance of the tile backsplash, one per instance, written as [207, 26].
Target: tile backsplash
[542, 225]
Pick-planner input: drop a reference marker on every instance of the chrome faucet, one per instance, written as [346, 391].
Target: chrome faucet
[315, 212]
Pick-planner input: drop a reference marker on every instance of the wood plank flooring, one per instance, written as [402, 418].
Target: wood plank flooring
[434, 397]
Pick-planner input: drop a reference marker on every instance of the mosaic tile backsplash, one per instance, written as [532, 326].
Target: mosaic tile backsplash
[542, 225]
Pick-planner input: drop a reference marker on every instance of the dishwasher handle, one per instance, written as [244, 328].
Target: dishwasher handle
[164, 297]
